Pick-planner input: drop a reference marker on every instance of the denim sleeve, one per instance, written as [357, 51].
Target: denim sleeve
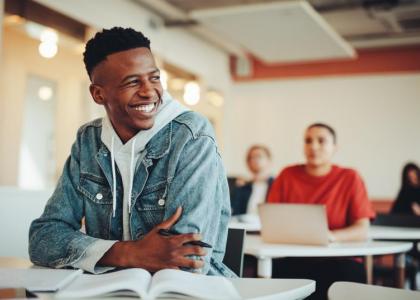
[55, 239]
[199, 185]
[93, 254]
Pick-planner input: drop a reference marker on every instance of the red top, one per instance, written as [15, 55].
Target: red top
[341, 190]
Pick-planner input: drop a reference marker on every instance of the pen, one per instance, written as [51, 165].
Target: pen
[167, 232]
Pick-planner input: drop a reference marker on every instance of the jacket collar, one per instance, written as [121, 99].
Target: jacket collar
[160, 144]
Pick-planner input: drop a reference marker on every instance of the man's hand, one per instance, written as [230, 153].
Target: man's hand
[155, 252]
[331, 237]
[415, 208]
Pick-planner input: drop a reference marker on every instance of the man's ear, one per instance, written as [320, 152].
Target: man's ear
[97, 93]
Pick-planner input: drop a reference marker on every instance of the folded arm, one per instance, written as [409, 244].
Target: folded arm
[358, 231]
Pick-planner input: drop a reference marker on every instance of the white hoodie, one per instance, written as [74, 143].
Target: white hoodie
[126, 156]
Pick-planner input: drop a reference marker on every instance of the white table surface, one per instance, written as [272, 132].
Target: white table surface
[340, 291]
[248, 226]
[248, 288]
[265, 252]
[394, 233]
[278, 289]
[256, 247]
[375, 232]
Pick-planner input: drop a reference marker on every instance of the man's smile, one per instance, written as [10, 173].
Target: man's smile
[147, 108]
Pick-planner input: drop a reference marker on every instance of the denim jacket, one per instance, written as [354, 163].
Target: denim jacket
[181, 167]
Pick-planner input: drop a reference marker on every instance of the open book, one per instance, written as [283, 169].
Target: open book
[164, 283]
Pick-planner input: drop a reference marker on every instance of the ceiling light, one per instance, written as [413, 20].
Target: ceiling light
[47, 49]
[34, 30]
[45, 93]
[49, 35]
[192, 93]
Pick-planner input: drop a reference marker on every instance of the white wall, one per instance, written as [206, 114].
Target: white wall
[377, 119]
[18, 209]
[19, 60]
[174, 45]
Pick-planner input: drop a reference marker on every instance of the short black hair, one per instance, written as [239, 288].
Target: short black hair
[109, 41]
[328, 127]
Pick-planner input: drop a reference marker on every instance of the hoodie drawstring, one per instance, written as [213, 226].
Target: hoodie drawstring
[131, 175]
[114, 179]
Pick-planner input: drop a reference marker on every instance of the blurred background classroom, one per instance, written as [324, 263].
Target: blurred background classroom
[261, 71]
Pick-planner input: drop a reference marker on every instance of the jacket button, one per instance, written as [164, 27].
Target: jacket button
[161, 202]
[99, 196]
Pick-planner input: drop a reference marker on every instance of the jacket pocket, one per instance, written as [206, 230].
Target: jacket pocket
[151, 205]
[95, 188]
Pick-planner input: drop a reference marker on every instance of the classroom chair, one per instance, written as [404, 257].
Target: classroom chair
[234, 254]
[343, 290]
[382, 271]
[397, 220]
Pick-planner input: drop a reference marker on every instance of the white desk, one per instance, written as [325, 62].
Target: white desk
[375, 232]
[265, 252]
[394, 233]
[254, 226]
[276, 289]
[340, 291]
[248, 288]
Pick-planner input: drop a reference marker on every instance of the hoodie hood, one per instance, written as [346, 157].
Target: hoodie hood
[120, 153]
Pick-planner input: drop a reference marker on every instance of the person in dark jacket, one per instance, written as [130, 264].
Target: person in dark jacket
[408, 199]
[246, 196]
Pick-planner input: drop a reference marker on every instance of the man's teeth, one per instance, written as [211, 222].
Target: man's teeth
[145, 108]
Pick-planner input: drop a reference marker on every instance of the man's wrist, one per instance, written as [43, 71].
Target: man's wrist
[118, 255]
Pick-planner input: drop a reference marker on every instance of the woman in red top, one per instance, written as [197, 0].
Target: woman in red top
[343, 192]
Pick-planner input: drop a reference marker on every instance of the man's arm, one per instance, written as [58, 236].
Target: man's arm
[199, 186]
[358, 231]
[54, 238]
[155, 252]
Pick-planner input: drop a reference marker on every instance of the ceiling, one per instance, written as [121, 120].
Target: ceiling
[294, 31]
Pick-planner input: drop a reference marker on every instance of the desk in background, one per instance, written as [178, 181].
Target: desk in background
[394, 233]
[265, 252]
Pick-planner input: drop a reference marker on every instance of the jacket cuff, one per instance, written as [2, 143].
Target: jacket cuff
[93, 254]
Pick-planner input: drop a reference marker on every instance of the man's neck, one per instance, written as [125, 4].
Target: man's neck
[124, 135]
[318, 171]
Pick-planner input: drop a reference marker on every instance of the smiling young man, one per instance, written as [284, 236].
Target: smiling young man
[150, 164]
[348, 209]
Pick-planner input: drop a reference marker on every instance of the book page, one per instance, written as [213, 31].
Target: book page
[199, 286]
[136, 280]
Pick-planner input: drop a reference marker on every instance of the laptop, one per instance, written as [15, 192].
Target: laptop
[304, 224]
